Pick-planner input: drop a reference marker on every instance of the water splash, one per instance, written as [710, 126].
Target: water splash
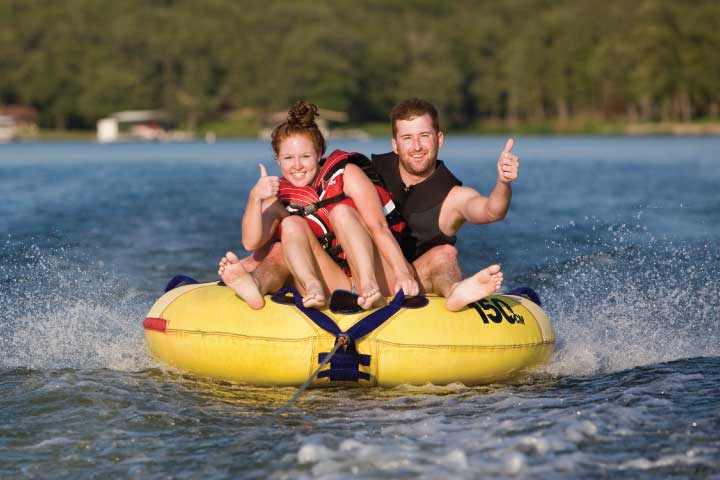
[59, 311]
[620, 298]
[625, 298]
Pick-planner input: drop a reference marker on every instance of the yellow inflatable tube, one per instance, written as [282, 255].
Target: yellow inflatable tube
[205, 329]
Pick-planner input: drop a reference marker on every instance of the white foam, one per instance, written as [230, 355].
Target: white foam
[456, 459]
[533, 445]
[59, 315]
[664, 461]
[584, 430]
[514, 463]
[50, 442]
[630, 305]
[312, 453]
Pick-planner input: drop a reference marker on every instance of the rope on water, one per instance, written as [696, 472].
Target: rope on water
[341, 341]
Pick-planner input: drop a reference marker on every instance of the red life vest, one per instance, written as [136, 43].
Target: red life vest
[316, 201]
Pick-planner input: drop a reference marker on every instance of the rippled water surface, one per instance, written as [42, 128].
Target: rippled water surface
[619, 236]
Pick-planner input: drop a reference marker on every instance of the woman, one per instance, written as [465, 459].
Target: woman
[318, 208]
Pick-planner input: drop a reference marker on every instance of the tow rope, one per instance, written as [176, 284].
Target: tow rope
[301, 389]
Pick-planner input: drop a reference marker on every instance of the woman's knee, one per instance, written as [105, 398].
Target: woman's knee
[342, 215]
[294, 225]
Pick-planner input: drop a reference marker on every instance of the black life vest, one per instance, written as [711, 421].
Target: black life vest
[419, 204]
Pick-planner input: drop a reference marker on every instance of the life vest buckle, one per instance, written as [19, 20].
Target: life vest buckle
[309, 209]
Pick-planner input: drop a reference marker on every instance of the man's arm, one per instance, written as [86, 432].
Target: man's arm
[465, 204]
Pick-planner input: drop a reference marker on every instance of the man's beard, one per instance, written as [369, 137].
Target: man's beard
[419, 168]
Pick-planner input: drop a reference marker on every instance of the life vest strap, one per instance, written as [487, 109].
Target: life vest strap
[311, 208]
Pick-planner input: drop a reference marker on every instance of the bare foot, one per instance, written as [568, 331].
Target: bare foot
[370, 298]
[485, 282]
[240, 280]
[314, 295]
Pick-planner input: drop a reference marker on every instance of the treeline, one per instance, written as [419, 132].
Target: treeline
[512, 60]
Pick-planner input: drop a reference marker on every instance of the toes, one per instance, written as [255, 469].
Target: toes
[370, 299]
[369, 293]
[314, 300]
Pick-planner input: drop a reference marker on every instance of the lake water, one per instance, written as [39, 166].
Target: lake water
[619, 236]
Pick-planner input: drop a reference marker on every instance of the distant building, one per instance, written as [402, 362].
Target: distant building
[148, 125]
[17, 122]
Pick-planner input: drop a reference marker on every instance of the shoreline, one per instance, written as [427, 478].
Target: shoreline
[375, 130]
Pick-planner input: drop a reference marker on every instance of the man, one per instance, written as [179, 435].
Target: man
[432, 200]
[435, 204]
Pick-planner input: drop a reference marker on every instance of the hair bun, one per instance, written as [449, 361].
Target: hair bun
[302, 114]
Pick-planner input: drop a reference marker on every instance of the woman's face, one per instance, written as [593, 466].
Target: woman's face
[298, 160]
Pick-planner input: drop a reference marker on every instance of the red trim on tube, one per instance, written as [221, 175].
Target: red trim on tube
[157, 324]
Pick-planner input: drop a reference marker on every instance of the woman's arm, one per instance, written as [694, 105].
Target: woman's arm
[262, 212]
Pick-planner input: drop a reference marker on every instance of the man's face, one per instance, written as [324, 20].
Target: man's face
[416, 143]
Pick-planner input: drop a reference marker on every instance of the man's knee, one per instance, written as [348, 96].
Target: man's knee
[438, 269]
[275, 251]
[271, 250]
[442, 258]
[443, 254]
[272, 272]
[274, 257]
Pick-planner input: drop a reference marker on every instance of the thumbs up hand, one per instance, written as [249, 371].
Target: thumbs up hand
[508, 164]
[266, 187]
